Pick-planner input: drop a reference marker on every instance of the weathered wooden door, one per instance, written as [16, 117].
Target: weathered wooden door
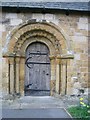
[37, 78]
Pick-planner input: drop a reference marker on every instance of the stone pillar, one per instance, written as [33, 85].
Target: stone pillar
[17, 74]
[5, 76]
[58, 75]
[11, 62]
[63, 78]
[53, 71]
[22, 75]
[8, 75]
[70, 73]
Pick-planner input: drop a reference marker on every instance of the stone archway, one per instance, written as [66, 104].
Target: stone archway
[26, 34]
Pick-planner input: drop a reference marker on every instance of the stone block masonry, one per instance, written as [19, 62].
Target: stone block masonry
[68, 72]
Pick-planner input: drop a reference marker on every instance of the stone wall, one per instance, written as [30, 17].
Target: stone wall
[75, 26]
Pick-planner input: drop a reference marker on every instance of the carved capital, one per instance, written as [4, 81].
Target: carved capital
[17, 59]
[11, 60]
[52, 57]
[64, 62]
[58, 61]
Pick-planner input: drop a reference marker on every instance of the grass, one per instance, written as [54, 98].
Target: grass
[79, 112]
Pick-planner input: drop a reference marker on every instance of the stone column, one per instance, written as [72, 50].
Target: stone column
[8, 75]
[58, 75]
[11, 62]
[22, 75]
[17, 74]
[66, 60]
[70, 73]
[53, 79]
[63, 78]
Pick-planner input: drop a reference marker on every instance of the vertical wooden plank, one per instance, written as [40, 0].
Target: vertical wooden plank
[48, 77]
[39, 74]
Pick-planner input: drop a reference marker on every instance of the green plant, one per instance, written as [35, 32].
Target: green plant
[82, 111]
[78, 112]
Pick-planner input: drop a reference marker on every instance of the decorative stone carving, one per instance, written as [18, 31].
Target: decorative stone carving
[48, 34]
[27, 27]
[26, 36]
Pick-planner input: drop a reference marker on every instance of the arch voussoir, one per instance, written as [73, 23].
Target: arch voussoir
[49, 32]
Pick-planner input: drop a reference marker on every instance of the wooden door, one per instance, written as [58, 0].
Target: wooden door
[37, 80]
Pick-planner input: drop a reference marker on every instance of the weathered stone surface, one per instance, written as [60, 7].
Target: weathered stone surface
[14, 22]
[77, 56]
[83, 20]
[83, 26]
[79, 38]
[11, 15]
[2, 28]
[77, 85]
[72, 27]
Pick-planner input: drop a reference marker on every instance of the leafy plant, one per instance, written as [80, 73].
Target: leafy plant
[82, 111]
[78, 112]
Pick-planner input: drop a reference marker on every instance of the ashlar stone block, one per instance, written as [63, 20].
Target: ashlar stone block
[11, 15]
[82, 26]
[77, 38]
[15, 22]
[77, 56]
[49, 16]
[2, 28]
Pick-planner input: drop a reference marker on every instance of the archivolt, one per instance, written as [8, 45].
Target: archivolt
[40, 36]
[51, 32]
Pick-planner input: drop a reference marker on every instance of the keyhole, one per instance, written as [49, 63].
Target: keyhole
[47, 74]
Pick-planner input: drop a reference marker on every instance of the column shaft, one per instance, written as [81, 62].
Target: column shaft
[58, 76]
[53, 78]
[11, 75]
[63, 78]
[22, 75]
[17, 75]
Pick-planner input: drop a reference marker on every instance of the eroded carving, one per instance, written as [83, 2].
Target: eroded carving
[34, 33]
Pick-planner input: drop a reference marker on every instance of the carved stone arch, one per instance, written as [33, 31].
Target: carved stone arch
[29, 27]
[38, 39]
[27, 33]
[46, 37]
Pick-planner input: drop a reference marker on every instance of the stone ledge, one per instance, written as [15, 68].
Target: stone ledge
[67, 56]
[13, 55]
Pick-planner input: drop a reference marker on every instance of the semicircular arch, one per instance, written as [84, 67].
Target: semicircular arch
[47, 30]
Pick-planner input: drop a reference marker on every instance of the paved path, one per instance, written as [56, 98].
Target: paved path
[34, 102]
[35, 107]
[35, 113]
